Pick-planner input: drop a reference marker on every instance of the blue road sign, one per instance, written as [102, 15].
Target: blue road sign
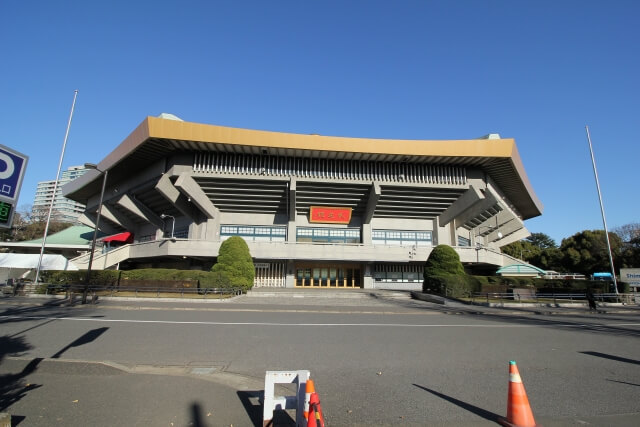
[12, 168]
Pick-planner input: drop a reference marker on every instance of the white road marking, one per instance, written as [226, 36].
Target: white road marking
[406, 325]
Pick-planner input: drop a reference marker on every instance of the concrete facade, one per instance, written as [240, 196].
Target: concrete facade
[182, 188]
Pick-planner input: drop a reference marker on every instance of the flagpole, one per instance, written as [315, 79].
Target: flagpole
[604, 221]
[55, 186]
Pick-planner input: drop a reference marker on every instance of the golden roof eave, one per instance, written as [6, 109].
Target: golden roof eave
[187, 131]
[154, 128]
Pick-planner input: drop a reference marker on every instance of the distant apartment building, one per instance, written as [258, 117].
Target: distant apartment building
[64, 210]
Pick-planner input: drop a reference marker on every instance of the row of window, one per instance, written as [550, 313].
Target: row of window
[254, 233]
[463, 241]
[395, 237]
[398, 272]
[397, 276]
[327, 235]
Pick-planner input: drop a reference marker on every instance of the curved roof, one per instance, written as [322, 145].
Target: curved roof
[520, 269]
[156, 138]
[74, 235]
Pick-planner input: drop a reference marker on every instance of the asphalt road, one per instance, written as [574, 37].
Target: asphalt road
[375, 361]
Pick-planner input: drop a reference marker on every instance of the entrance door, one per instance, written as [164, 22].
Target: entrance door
[328, 276]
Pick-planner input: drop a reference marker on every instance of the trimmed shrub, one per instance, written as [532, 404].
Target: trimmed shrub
[235, 263]
[443, 260]
[443, 263]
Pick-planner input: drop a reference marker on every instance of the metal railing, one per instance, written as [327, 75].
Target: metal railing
[141, 292]
[551, 298]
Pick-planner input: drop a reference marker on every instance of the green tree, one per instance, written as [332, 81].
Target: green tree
[522, 249]
[541, 241]
[443, 261]
[586, 252]
[538, 249]
[235, 263]
[548, 259]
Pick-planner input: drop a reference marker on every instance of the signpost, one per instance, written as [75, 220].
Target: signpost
[12, 168]
[631, 276]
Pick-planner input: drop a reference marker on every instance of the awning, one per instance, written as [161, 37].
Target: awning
[126, 237]
[29, 261]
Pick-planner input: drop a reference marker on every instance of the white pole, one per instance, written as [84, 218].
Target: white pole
[55, 186]
[604, 221]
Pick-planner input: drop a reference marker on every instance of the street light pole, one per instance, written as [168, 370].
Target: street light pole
[95, 231]
[55, 187]
[604, 221]
[173, 222]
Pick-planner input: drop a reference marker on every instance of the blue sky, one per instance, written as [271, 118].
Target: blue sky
[534, 71]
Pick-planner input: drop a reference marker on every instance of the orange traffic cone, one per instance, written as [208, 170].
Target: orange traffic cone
[316, 419]
[518, 409]
[308, 390]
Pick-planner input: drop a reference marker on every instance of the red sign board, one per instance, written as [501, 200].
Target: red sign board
[330, 215]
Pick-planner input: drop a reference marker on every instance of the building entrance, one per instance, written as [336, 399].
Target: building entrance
[328, 276]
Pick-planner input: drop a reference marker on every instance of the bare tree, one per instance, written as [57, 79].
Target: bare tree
[628, 232]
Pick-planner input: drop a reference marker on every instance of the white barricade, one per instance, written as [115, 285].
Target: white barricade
[272, 402]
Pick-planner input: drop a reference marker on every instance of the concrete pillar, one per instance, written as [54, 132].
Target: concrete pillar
[212, 232]
[452, 230]
[290, 276]
[291, 225]
[291, 231]
[367, 280]
[366, 234]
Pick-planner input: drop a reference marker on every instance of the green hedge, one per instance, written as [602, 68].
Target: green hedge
[453, 286]
[462, 286]
[99, 278]
[110, 278]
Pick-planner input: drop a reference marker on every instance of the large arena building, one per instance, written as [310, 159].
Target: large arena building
[316, 211]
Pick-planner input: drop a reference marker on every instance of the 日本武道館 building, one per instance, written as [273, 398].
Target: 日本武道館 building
[316, 211]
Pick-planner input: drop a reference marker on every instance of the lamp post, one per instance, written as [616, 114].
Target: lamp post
[604, 220]
[55, 187]
[95, 231]
[173, 222]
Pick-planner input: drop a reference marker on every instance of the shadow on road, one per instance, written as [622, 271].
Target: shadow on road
[14, 386]
[487, 415]
[88, 337]
[48, 310]
[255, 410]
[623, 382]
[196, 415]
[611, 356]
[574, 323]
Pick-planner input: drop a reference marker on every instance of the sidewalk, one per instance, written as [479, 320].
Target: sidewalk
[54, 392]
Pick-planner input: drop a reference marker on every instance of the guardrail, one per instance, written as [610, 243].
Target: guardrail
[489, 297]
[143, 292]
